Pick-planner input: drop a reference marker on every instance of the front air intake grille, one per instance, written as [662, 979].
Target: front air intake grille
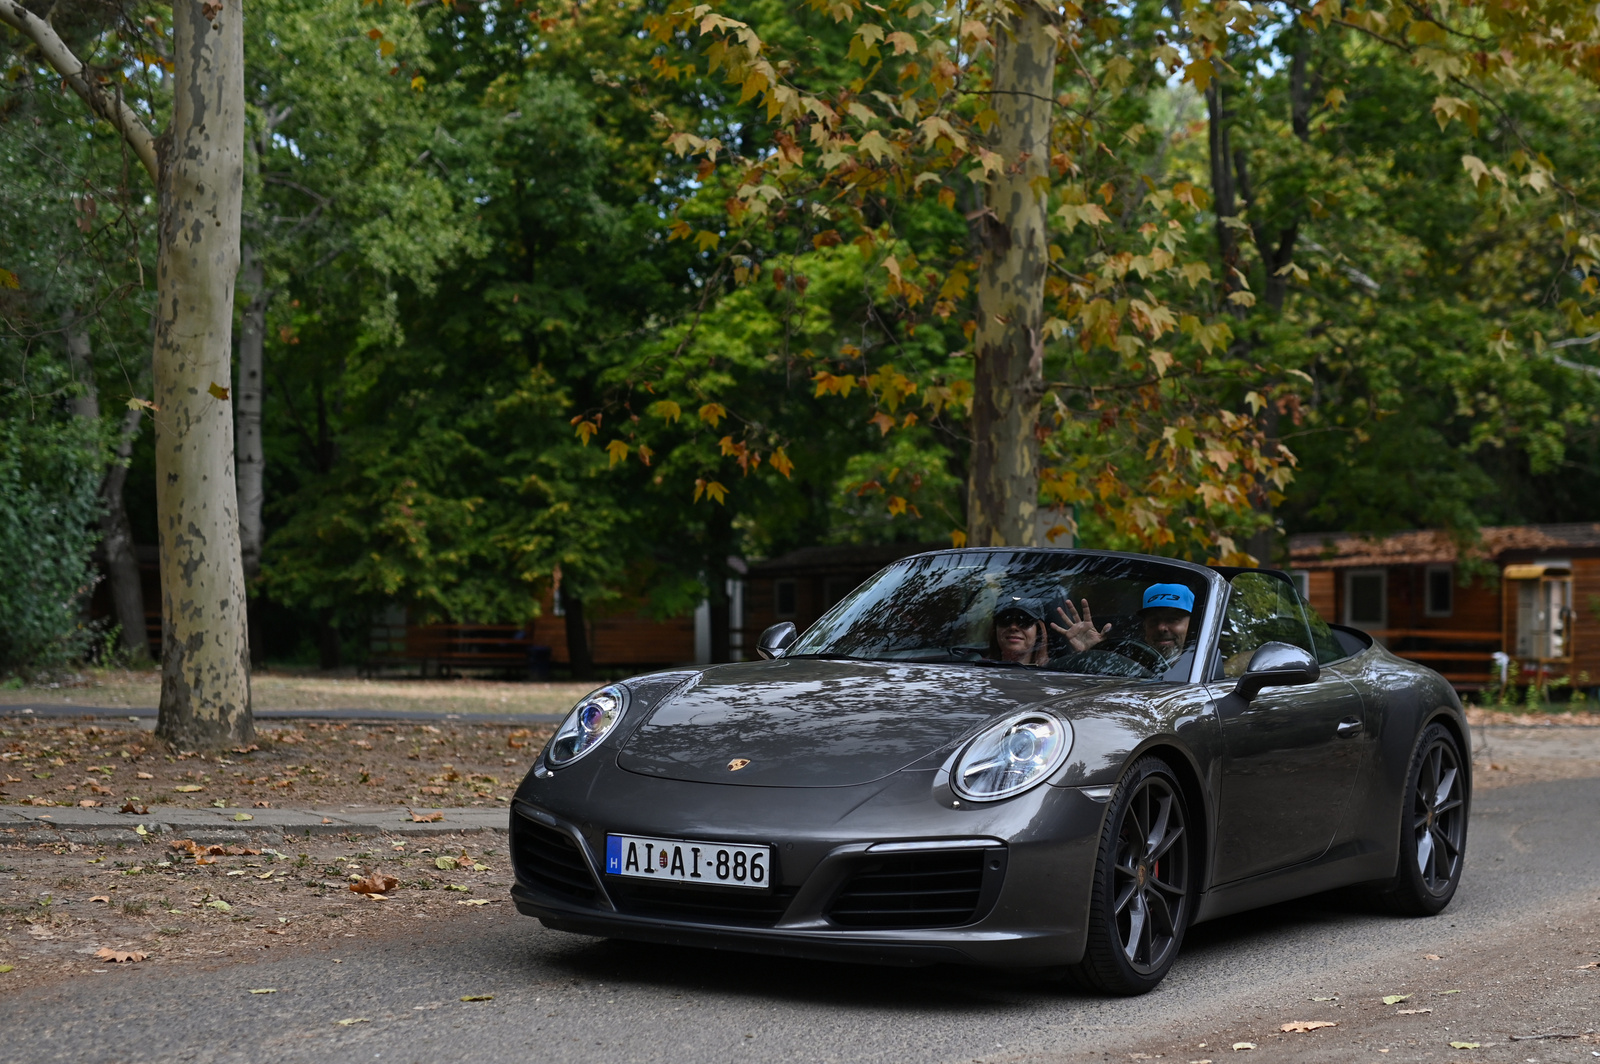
[724, 907]
[929, 889]
[550, 859]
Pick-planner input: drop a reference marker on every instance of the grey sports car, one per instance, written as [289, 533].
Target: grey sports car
[1030, 758]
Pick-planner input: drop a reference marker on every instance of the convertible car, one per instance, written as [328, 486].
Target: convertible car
[1054, 759]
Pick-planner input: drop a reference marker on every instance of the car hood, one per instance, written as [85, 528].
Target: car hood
[810, 722]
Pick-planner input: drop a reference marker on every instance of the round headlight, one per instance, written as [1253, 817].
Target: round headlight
[1011, 756]
[590, 721]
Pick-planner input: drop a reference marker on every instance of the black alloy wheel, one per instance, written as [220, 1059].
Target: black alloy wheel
[1144, 885]
[1433, 837]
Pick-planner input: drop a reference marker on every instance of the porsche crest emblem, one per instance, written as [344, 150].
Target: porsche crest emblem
[738, 763]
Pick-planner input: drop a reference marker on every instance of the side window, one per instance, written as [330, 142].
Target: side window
[1261, 609]
[1324, 643]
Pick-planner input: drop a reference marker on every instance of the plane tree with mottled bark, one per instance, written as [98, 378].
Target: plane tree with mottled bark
[195, 166]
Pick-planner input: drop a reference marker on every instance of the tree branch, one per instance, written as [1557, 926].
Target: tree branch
[107, 106]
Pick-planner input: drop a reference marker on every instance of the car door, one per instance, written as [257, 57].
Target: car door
[1289, 764]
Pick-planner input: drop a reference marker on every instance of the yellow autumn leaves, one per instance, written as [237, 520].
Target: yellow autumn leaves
[587, 426]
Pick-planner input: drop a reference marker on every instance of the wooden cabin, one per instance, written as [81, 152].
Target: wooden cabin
[800, 586]
[1531, 592]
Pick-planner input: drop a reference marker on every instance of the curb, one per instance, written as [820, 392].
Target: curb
[34, 824]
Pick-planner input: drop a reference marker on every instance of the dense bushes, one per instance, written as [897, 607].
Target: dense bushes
[49, 479]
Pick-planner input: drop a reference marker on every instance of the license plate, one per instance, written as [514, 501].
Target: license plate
[681, 861]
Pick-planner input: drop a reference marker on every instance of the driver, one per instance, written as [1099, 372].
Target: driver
[1164, 620]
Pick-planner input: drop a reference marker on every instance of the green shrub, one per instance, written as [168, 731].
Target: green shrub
[49, 508]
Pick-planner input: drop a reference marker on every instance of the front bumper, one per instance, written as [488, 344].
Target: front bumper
[896, 878]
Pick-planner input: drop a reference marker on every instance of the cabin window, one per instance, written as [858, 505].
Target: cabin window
[784, 596]
[1302, 583]
[1440, 591]
[1366, 599]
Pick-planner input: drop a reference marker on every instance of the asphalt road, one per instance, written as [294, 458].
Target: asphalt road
[1533, 849]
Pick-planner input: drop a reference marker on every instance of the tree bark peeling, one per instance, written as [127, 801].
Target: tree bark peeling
[1008, 384]
[205, 682]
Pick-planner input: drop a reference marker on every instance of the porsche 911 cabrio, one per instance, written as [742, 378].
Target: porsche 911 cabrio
[1056, 759]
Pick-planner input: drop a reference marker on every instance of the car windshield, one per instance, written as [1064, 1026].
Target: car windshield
[1058, 610]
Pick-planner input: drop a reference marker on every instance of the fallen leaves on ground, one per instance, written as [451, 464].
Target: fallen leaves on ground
[118, 956]
[1587, 967]
[1301, 1026]
[375, 884]
[145, 775]
[1395, 999]
[195, 850]
[425, 818]
[1237, 1046]
[87, 803]
[131, 806]
[1431, 957]
[1413, 1012]
[101, 897]
[266, 990]
[474, 901]
[1466, 1045]
[188, 788]
[477, 997]
[352, 1020]
[4, 968]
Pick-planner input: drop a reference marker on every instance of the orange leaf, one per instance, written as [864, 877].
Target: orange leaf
[712, 413]
[426, 818]
[781, 463]
[117, 956]
[218, 390]
[374, 883]
[883, 421]
[958, 538]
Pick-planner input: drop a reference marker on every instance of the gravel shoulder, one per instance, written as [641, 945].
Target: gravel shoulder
[277, 689]
[116, 763]
[175, 905]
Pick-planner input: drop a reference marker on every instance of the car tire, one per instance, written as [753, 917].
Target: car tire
[1144, 885]
[1433, 828]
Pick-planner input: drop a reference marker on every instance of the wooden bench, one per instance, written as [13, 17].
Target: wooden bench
[448, 649]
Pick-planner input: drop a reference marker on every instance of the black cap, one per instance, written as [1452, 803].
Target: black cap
[1031, 607]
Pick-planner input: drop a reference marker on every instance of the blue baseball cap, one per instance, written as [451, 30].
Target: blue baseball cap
[1169, 596]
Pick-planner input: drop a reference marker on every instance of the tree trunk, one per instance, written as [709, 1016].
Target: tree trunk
[205, 678]
[247, 411]
[329, 648]
[1008, 383]
[579, 657]
[247, 398]
[122, 567]
[86, 404]
[116, 536]
[720, 608]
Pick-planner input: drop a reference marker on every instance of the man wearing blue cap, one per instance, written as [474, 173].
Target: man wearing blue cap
[1164, 617]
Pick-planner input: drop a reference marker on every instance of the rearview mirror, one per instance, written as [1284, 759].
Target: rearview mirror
[774, 642]
[1277, 664]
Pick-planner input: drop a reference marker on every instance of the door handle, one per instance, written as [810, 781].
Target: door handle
[1348, 726]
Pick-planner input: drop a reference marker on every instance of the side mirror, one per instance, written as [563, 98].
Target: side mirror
[775, 641]
[1277, 664]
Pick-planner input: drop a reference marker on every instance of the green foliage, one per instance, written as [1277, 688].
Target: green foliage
[50, 470]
